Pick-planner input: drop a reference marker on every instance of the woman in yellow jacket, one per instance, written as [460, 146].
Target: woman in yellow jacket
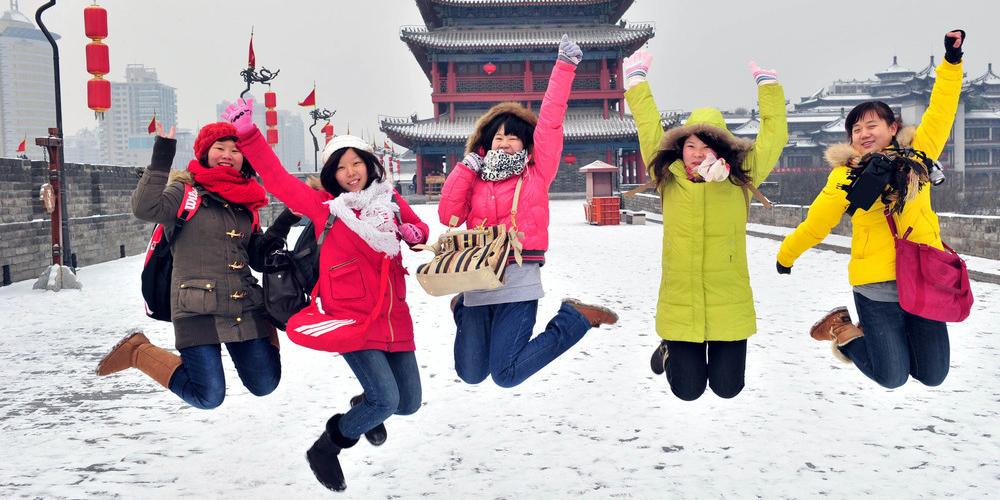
[889, 344]
[705, 310]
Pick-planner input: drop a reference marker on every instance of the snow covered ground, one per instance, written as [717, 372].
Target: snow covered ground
[596, 423]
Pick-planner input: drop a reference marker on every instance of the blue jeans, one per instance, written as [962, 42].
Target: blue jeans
[391, 381]
[201, 383]
[897, 344]
[693, 365]
[496, 340]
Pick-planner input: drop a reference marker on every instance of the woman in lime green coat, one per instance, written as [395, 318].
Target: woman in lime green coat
[705, 176]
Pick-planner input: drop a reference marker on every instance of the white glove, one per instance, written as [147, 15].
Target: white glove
[713, 169]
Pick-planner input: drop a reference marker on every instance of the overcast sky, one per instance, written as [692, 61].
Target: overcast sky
[362, 69]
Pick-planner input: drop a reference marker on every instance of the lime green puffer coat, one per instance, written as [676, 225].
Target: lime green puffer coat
[705, 286]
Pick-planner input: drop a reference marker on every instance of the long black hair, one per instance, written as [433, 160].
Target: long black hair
[327, 177]
[723, 149]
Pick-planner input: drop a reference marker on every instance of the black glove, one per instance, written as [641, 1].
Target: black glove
[782, 269]
[953, 54]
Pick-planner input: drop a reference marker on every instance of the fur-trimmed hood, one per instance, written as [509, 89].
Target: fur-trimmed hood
[182, 176]
[706, 122]
[513, 108]
[843, 154]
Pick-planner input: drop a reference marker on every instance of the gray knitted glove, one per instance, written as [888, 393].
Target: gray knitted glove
[569, 51]
[473, 161]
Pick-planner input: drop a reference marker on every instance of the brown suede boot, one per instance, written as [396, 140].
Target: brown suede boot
[823, 329]
[596, 315]
[135, 351]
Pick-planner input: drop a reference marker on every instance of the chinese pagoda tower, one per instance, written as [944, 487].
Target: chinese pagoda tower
[476, 53]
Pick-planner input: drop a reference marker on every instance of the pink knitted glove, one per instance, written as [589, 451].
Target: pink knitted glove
[410, 233]
[240, 114]
[635, 68]
[763, 76]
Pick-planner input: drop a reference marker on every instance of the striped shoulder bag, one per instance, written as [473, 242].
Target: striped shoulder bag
[473, 259]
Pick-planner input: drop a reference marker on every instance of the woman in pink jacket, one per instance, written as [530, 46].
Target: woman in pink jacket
[510, 144]
[359, 304]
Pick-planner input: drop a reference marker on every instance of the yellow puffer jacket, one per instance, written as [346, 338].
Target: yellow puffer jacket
[873, 253]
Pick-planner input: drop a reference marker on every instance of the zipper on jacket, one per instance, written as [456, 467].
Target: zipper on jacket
[342, 264]
[392, 336]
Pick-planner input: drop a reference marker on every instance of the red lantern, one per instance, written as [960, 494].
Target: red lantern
[272, 136]
[95, 22]
[271, 118]
[489, 68]
[95, 25]
[270, 100]
[98, 61]
[569, 159]
[99, 95]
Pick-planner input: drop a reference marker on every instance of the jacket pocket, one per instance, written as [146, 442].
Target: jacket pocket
[345, 281]
[859, 243]
[197, 296]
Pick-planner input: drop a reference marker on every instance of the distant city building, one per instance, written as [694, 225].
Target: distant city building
[83, 147]
[124, 135]
[291, 147]
[27, 86]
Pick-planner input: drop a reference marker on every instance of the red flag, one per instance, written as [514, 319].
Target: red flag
[20, 147]
[310, 99]
[252, 60]
[152, 125]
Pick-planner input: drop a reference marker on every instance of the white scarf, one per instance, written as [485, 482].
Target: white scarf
[376, 223]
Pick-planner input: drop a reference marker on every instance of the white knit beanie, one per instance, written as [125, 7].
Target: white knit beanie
[344, 141]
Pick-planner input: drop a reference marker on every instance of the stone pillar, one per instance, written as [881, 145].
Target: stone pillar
[958, 135]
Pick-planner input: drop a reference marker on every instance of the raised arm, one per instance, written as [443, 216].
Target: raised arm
[548, 136]
[294, 193]
[152, 199]
[824, 214]
[773, 135]
[935, 126]
[640, 101]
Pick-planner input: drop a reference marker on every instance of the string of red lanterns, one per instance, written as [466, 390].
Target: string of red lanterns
[271, 117]
[95, 22]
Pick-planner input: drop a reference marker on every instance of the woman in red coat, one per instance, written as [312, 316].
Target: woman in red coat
[359, 304]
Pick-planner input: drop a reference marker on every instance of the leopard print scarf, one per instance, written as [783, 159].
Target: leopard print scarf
[498, 165]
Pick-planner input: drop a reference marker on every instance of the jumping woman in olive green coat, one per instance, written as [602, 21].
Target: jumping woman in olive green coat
[705, 176]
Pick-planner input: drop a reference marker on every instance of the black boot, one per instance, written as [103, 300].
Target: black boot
[658, 361]
[322, 456]
[376, 435]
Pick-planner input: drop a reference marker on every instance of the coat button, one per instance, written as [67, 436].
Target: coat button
[238, 319]
[236, 265]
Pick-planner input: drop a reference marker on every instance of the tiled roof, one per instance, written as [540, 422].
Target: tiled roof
[431, 15]
[577, 126]
[988, 78]
[525, 37]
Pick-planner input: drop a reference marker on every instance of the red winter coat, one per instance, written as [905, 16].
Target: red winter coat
[361, 298]
[474, 200]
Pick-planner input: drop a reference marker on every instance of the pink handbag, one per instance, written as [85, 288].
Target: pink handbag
[933, 284]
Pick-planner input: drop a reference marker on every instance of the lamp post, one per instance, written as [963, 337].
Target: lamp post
[64, 277]
[318, 114]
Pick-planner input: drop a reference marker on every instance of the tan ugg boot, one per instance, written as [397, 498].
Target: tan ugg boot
[596, 315]
[823, 329]
[135, 351]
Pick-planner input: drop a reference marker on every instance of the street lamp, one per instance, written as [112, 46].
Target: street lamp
[56, 276]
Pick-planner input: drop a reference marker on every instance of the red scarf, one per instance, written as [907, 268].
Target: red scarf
[231, 186]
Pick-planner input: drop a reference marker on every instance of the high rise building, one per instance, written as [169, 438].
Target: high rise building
[124, 137]
[27, 87]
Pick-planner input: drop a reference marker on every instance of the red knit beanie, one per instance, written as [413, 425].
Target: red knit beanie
[211, 133]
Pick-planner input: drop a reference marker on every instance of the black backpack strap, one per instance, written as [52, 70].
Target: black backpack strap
[326, 229]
